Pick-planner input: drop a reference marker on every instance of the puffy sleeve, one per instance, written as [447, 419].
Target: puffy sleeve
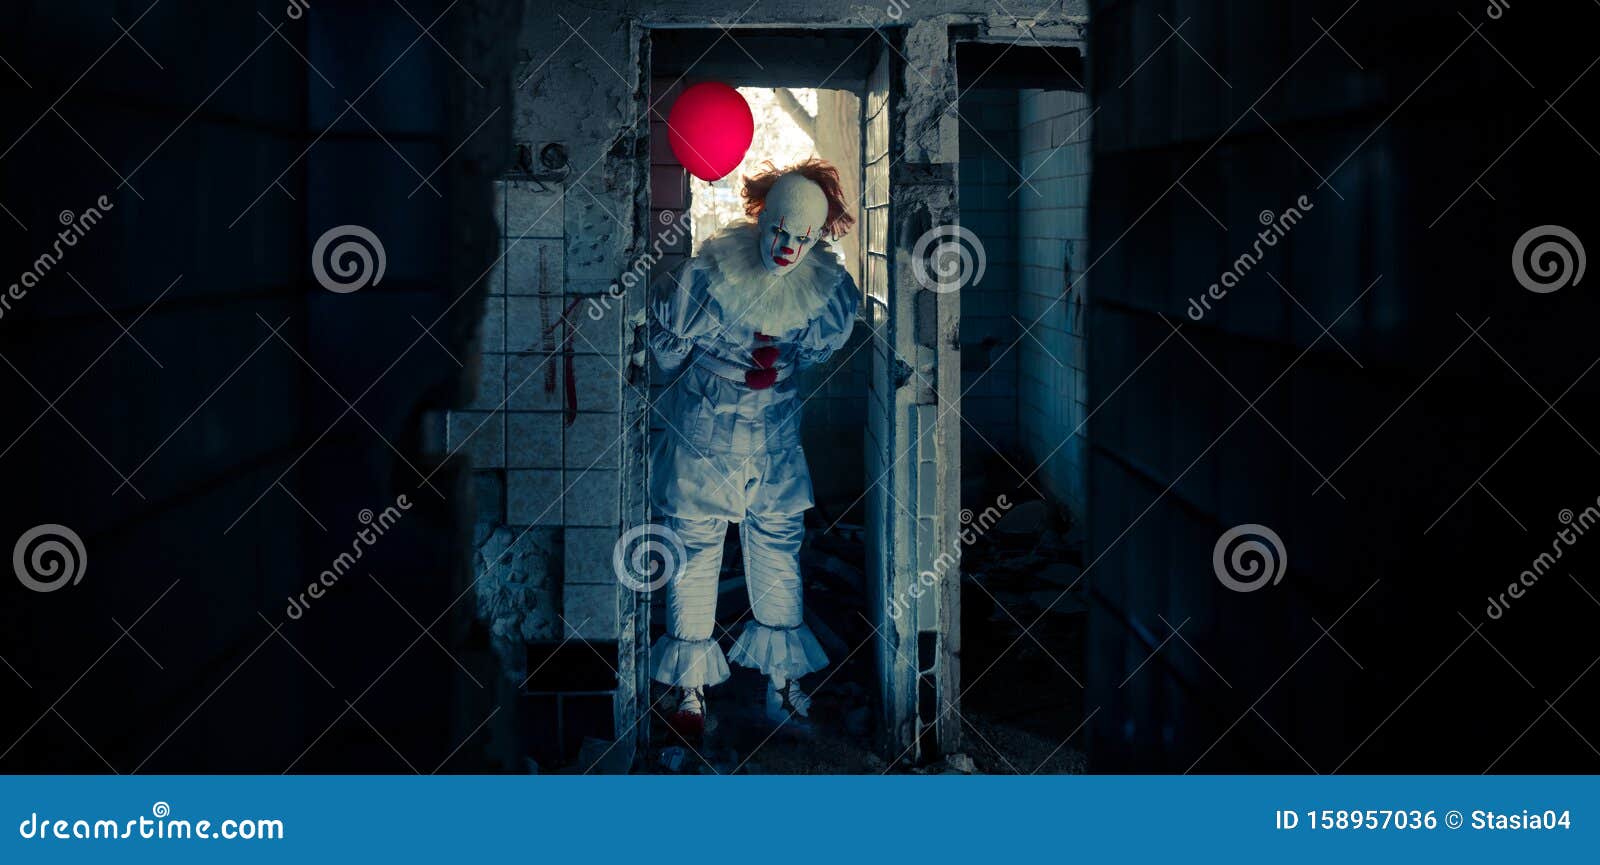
[677, 313]
[830, 330]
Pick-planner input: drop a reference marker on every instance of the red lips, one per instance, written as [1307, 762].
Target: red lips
[782, 262]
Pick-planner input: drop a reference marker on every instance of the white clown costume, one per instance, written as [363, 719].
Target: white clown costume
[758, 303]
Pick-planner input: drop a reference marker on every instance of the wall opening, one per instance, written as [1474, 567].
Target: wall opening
[802, 110]
[1023, 183]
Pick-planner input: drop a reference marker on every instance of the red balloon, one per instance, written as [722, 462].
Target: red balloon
[710, 128]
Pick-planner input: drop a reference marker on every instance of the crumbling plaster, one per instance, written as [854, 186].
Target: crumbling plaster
[579, 70]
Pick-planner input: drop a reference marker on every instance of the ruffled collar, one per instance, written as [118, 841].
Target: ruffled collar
[771, 302]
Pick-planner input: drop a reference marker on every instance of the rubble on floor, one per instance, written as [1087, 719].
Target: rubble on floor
[1025, 567]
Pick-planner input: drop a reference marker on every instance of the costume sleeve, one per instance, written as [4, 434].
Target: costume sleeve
[676, 309]
[830, 330]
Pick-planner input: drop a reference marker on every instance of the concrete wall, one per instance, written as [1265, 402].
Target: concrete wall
[1053, 255]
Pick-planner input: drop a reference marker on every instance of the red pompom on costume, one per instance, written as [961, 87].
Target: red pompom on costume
[762, 299]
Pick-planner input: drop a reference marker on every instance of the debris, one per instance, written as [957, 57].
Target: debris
[960, 763]
[1026, 520]
[516, 589]
[724, 762]
[825, 635]
[604, 757]
[842, 571]
[672, 758]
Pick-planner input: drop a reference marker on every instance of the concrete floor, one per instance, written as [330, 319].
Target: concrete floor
[1016, 719]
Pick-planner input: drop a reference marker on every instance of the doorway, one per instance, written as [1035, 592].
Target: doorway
[1023, 183]
[802, 110]
[953, 426]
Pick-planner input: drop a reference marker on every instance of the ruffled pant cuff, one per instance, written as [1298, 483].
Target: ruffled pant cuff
[789, 652]
[688, 663]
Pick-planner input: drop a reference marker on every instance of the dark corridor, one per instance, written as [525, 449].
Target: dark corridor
[1299, 406]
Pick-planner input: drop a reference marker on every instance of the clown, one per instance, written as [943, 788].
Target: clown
[765, 297]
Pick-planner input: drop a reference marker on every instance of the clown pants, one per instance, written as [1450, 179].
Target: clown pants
[776, 641]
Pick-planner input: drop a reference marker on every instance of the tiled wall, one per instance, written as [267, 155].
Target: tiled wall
[1052, 253]
[988, 180]
[669, 206]
[556, 469]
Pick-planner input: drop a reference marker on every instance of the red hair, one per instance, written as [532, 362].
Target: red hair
[818, 171]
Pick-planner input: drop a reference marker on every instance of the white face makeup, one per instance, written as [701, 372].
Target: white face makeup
[791, 222]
